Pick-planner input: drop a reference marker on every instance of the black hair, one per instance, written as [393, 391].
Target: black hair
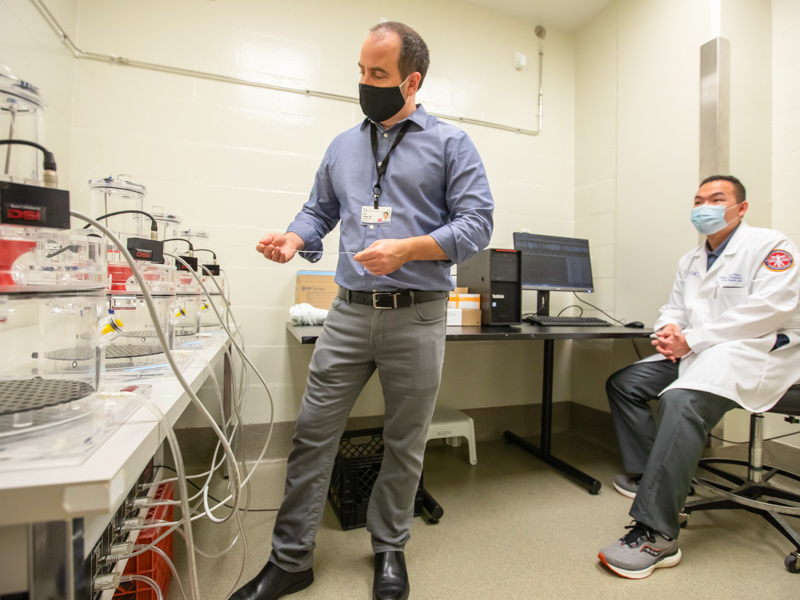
[739, 191]
[414, 55]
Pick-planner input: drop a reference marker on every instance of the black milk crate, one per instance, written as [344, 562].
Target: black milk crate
[355, 471]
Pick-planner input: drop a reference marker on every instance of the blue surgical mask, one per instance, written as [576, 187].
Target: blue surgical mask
[709, 219]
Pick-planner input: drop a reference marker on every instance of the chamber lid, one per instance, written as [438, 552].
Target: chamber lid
[18, 95]
[162, 213]
[120, 183]
[194, 232]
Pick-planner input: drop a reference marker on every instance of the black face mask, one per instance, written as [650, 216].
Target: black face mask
[381, 103]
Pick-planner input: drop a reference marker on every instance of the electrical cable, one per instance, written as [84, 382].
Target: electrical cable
[153, 222]
[214, 254]
[215, 499]
[233, 466]
[245, 358]
[571, 306]
[172, 440]
[636, 348]
[777, 437]
[49, 162]
[191, 248]
[171, 566]
[598, 309]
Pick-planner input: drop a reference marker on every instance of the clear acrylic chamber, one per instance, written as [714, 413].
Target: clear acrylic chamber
[53, 324]
[200, 240]
[138, 350]
[21, 118]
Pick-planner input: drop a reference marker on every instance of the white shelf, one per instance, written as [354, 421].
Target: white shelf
[99, 484]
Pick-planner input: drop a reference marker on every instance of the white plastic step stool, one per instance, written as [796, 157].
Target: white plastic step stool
[452, 425]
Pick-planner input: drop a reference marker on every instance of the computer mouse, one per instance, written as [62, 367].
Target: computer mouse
[635, 324]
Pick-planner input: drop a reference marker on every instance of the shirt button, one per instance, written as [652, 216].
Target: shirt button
[385, 135]
[372, 226]
[380, 163]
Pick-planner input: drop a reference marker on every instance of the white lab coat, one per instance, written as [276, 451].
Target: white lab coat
[731, 315]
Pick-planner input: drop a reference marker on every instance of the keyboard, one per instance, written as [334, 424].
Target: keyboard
[567, 321]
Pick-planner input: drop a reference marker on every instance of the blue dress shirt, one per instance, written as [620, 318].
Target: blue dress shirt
[435, 184]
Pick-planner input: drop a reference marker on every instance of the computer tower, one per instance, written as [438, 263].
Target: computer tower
[495, 274]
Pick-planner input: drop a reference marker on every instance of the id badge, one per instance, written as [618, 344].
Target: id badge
[376, 216]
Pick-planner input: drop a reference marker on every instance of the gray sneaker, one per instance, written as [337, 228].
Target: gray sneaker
[640, 552]
[627, 485]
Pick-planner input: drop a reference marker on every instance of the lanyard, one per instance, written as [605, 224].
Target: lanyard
[382, 165]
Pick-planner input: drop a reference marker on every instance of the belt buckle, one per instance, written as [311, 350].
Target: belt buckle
[375, 300]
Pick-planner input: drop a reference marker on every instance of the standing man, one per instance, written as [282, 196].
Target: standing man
[413, 199]
[727, 338]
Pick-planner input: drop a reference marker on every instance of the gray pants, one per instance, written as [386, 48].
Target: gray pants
[406, 345]
[667, 454]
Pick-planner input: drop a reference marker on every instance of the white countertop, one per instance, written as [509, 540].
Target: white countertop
[99, 484]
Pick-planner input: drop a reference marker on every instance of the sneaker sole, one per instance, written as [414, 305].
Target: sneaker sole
[666, 563]
[624, 492]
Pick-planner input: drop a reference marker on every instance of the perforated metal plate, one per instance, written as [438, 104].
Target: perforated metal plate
[142, 333]
[79, 353]
[132, 350]
[21, 395]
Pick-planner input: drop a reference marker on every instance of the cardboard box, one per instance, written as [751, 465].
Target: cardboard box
[463, 317]
[470, 317]
[461, 298]
[316, 288]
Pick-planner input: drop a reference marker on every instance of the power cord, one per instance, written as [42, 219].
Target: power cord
[777, 437]
[635, 347]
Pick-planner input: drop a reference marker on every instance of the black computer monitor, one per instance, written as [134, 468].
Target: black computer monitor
[554, 264]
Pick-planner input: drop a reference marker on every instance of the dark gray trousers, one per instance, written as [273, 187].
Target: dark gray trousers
[406, 345]
[666, 453]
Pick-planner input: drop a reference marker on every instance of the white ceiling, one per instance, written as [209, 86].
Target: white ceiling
[561, 14]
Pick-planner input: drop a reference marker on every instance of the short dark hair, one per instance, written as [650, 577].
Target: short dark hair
[414, 55]
[738, 188]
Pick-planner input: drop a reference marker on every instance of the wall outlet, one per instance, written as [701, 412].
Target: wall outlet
[520, 60]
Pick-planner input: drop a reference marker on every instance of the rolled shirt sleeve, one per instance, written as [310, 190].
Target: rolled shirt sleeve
[469, 201]
[319, 215]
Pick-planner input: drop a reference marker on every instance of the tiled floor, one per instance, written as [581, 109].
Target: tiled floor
[513, 529]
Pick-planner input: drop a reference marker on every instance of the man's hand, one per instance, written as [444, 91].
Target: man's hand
[280, 248]
[384, 256]
[671, 342]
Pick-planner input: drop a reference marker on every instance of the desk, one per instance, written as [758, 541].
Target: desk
[525, 331]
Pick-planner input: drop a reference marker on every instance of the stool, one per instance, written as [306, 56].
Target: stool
[452, 425]
[755, 493]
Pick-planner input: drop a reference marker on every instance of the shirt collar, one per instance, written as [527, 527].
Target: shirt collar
[419, 116]
[718, 251]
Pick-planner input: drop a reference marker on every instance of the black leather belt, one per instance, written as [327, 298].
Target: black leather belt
[388, 300]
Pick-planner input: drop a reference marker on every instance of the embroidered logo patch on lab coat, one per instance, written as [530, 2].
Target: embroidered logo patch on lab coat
[779, 260]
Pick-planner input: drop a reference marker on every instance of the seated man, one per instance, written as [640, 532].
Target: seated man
[728, 337]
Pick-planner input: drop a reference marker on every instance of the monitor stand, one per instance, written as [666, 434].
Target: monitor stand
[543, 304]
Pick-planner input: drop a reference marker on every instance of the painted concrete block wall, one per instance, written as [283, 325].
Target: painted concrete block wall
[785, 144]
[32, 51]
[241, 160]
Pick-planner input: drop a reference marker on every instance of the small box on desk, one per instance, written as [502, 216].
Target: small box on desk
[464, 317]
[316, 288]
[355, 470]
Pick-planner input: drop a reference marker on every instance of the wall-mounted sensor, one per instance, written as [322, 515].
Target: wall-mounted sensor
[520, 60]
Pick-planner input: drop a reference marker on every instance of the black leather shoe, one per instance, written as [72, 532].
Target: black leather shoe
[391, 578]
[273, 583]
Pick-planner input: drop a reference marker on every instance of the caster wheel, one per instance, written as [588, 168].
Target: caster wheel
[792, 562]
[436, 522]
[684, 520]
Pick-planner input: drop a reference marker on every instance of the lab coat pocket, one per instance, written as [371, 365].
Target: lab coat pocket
[728, 297]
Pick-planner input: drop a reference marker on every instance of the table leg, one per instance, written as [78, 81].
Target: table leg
[543, 452]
